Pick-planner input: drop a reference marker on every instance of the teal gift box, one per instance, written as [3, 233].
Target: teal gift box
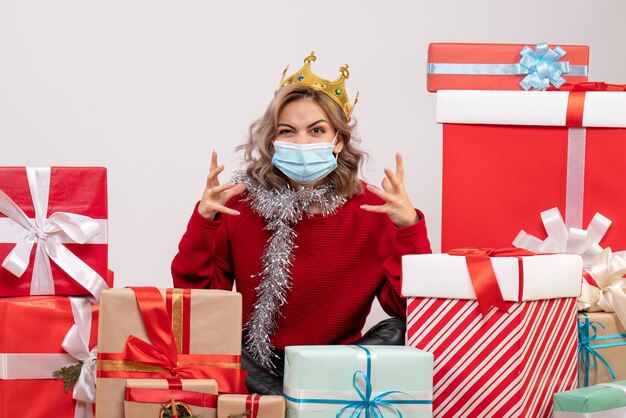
[352, 380]
[606, 400]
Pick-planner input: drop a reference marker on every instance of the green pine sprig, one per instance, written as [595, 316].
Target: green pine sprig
[69, 375]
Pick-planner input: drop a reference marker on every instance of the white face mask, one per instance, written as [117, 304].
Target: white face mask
[305, 163]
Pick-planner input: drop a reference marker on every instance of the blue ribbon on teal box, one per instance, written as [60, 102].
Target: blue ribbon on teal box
[587, 352]
[367, 404]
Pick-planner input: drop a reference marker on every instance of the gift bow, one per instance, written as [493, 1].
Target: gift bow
[590, 86]
[482, 275]
[603, 269]
[163, 354]
[370, 406]
[541, 67]
[562, 239]
[47, 233]
[587, 333]
[76, 343]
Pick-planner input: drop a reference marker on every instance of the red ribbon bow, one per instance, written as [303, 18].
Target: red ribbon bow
[162, 352]
[576, 99]
[483, 277]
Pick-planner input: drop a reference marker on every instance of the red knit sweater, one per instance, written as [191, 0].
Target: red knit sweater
[341, 263]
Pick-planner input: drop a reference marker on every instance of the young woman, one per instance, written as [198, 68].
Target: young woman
[308, 245]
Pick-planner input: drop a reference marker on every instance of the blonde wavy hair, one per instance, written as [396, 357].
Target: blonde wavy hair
[259, 148]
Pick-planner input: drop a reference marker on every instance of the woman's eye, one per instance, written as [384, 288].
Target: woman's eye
[284, 131]
[318, 130]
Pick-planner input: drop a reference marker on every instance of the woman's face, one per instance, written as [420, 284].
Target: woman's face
[305, 122]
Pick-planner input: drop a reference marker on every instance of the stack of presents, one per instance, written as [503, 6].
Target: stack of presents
[522, 315]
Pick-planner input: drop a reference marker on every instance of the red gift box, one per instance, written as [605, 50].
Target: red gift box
[53, 231]
[508, 156]
[33, 331]
[462, 66]
[500, 363]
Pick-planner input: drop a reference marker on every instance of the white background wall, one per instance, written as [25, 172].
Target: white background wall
[148, 88]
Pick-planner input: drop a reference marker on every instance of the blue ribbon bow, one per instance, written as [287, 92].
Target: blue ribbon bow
[541, 67]
[588, 354]
[371, 406]
[367, 404]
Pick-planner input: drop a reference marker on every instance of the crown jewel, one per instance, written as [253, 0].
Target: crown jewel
[336, 89]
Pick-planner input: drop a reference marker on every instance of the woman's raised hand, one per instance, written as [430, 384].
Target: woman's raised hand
[398, 206]
[215, 194]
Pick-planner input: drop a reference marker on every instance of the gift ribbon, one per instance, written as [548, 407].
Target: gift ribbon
[576, 144]
[366, 403]
[178, 303]
[483, 277]
[161, 358]
[41, 366]
[252, 406]
[540, 66]
[49, 233]
[76, 343]
[144, 395]
[588, 333]
[603, 268]
[562, 239]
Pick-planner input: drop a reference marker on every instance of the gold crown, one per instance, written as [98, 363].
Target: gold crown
[336, 90]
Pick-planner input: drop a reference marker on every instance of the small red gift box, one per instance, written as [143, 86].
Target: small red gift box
[53, 231]
[461, 66]
[508, 156]
[35, 330]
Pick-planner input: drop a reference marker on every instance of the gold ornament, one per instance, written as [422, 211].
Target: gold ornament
[336, 90]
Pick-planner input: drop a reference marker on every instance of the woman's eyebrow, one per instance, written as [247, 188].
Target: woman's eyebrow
[316, 122]
[285, 124]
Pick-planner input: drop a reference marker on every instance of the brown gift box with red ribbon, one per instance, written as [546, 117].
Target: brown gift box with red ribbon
[149, 333]
[250, 406]
[148, 398]
[510, 155]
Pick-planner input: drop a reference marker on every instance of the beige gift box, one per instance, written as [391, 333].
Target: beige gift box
[206, 327]
[615, 355]
[250, 406]
[147, 408]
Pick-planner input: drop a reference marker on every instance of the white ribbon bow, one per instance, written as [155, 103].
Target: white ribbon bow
[605, 267]
[49, 233]
[76, 343]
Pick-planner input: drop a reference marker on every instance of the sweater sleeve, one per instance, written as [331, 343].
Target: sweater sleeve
[408, 240]
[203, 259]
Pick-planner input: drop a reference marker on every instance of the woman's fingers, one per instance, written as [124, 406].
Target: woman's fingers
[379, 192]
[374, 208]
[234, 191]
[399, 167]
[214, 171]
[224, 209]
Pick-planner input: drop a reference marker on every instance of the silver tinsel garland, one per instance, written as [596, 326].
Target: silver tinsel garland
[282, 208]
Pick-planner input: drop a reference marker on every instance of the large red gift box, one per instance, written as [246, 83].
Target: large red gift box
[33, 331]
[497, 363]
[508, 156]
[464, 66]
[53, 231]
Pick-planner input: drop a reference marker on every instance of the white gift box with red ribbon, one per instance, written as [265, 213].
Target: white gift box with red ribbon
[505, 362]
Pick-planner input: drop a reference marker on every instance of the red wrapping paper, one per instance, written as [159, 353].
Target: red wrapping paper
[506, 364]
[79, 190]
[467, 53]
[37, 324]
[497, 179]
